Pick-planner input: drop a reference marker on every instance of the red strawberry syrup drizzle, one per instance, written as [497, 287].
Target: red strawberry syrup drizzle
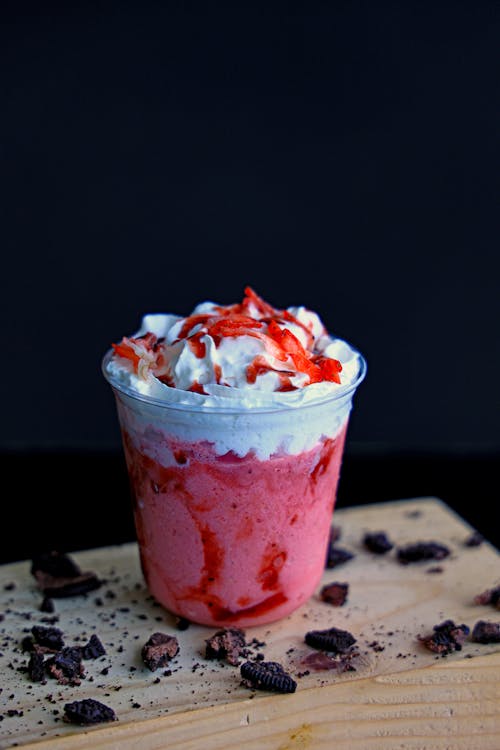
[252, 317]
[159, 486]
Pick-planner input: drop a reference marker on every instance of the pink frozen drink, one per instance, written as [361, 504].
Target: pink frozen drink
[233, 422]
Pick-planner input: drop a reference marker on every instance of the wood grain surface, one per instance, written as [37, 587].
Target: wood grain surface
[401, 695]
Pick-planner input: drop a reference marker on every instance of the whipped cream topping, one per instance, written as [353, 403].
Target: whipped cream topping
[247, 378]
[246, 355]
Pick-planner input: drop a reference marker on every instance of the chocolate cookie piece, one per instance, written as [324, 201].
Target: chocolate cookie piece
[337, 556]
[335, 593]
[55, 564]
[475, 539]
[486, 632]
[445, 638]
[88, 711]
[267, 675]
[159, 650]
[377, 542]
[335, 534]
[66, 666]
[331, 639]
[320, 661]
[50, 638]
[58, 576]
[227, 644]
[422, 551]
[93, 649]
[490, 596]
[36, 668]
[47, 605]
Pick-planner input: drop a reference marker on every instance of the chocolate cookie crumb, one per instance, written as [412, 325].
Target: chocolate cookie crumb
[335, 533]
[159, 650]
[320, 661]
[490, 596]
[413, 513]
[47, 605]
[422, 551]
[486, 632]
[335, 593]
[377, 542]
[474, 540]
[88, 711]
[445, 638]
[267, 675]
[227, 644]
[337, 556]
[182, 623]
[376, 646]
[332, 639]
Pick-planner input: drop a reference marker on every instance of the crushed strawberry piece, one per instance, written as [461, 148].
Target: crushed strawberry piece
[197, 388]
[134, 348]
[191, 322]
[123, 349]
[197, 345]
[292, 346]
[289, 318]
[252, 297]
[233, 325]
[330, 368]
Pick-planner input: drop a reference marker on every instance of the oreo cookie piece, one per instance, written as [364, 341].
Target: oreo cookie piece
[47, 605]
[335, 593]
[421, 551]
[490, 596]
[377, 542]
[58, 576]
[158, 650]
[88, 711]
[55, 564]
[227, 644]
[267, 675]
[337, 556]
[320, 660]
[486, 632]
[93, 649]
[475, 539]
[333, 639]
[445, 638]
[66, 666]
[51, 639]
[36, 668]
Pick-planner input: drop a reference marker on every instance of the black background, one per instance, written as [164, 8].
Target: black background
[338, 155]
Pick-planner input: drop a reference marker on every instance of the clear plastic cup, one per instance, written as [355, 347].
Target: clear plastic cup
[232, 507]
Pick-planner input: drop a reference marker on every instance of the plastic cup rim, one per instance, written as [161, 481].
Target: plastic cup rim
[337, 395]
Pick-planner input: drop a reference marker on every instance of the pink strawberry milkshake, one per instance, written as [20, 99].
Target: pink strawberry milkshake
[233, 422]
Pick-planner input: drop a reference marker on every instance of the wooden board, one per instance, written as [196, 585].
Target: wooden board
[401, 694]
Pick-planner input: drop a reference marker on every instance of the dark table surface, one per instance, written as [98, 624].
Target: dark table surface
[70, 501]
